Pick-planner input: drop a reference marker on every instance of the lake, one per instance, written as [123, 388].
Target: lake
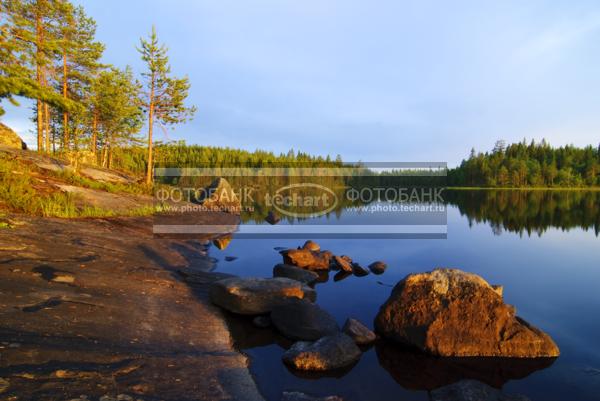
[542, 246]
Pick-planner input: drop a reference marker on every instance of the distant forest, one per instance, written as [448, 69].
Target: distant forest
[522, 165]
[179, 154]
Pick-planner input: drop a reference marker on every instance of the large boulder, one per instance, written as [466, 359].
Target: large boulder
[472, 390]
[295, 273]
[449, 312]
[328, 353]
[307, 259]
[303, 320]
[257, 296]
[220, 196]
[9, 138]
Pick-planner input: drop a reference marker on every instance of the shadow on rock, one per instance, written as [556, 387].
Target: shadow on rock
[417, 371]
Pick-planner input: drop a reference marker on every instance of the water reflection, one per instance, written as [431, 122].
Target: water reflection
[417, 371]
[518, 211]
[530, 212]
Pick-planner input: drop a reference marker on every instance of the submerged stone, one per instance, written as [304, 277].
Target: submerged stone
[295, 273]
[328, 353]
[303, 320]
[472, 390]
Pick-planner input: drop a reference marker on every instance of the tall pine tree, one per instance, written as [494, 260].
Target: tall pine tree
[165, 95]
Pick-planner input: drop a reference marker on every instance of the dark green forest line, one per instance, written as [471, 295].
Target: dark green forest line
[529, 165]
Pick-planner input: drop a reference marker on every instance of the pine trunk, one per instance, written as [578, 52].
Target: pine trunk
[149, 177]
[47, 126]
[39, 78]
[95, 135]
[65, 114]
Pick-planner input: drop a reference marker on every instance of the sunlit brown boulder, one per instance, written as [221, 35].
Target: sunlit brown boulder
[449, 312]
[307, 259]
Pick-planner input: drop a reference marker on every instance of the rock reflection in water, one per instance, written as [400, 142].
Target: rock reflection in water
[417, 371]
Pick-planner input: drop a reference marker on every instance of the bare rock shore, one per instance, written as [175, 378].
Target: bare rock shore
[98, 308]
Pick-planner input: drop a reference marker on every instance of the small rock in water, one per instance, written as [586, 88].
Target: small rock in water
[303, 320]
[358, 270]
[378, 267]
[63, 278]
[230, 258]
[311, 246]
[328, 353]
[343, 264]
[222, 242]
[262, 321]
[272, 218]
[295, 273]
[472, 390]
[297, 396]
[124, 397]
[341, 275]
[358, 332]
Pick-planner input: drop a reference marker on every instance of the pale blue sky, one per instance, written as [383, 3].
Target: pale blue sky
[371, 80]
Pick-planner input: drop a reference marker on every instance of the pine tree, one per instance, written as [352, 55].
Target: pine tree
[79, 62]
[165, 95]
[117, 113]
[29, 44]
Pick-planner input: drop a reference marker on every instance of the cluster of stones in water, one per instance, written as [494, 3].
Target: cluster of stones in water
[286, 303]
[311, 257]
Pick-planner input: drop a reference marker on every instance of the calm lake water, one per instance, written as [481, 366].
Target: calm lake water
[542, 246]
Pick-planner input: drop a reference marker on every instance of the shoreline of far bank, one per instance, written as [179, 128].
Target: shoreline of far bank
[589, 189]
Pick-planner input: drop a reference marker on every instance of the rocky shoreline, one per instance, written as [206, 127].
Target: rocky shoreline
[116, 314]
[95, 309]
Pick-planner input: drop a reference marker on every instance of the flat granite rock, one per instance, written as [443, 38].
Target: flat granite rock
[448, 312]
[328, 353]
[303, 320]
[257, 296]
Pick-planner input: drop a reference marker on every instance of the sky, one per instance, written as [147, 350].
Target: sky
[369, 80]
